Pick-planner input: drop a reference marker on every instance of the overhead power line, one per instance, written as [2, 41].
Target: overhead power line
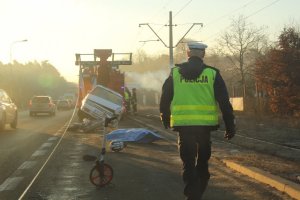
[183, 8]
[230, 13]
[262, 9]
[150, 18]
[170, 47]
[162, 26]
[254, 13]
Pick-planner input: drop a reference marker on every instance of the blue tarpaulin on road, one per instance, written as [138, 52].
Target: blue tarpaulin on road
[139, 135]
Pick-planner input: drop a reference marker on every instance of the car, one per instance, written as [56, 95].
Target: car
[42, 104]
[63, 105]
[8, 111]
[72, 105]
[55, 102]
[101, 102]
[71, 97]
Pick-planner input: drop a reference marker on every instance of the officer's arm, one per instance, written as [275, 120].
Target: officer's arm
[165, 102]
[166, 96]
[222, 97]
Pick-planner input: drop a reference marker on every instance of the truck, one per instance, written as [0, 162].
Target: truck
[101, 84]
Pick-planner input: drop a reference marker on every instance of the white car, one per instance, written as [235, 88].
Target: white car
[102, 102]
[8, 111]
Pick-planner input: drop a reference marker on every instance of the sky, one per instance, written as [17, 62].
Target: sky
[56, 30]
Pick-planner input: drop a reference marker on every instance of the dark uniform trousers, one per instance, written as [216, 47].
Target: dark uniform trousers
[195, 151]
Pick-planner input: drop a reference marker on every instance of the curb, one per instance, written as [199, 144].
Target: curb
[283, 185]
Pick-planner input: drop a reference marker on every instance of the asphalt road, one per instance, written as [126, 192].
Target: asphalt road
[24, 150]
[141, 171]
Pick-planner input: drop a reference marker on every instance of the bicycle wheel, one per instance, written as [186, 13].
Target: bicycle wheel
[101, 179]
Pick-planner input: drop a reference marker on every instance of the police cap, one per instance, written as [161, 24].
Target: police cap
[196, 45]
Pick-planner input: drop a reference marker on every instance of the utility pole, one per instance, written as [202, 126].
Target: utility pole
[170, 36]
[171, 40]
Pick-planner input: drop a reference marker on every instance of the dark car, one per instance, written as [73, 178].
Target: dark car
[42, 104]
[8, 111]
[63, 105]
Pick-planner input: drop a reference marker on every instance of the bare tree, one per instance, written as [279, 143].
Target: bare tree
[238, 44]
[180, 51]
[140, 56]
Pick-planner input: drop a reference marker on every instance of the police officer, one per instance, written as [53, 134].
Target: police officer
[127, 97]
[134, 101]
[190, 96]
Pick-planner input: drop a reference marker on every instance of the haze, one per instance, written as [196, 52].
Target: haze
[56, 29]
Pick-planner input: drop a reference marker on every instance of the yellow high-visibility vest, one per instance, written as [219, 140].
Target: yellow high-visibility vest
[126, 96]
[194, 101]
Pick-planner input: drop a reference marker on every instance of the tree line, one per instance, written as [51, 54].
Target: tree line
[23, 81]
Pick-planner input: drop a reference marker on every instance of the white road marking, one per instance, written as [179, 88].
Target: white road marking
[71, 189]
[75, 164]
[27, 164]
[47, 160]
[67, 176]
[75, 157]
[10, 183]
[65, 182]
[39, 153]
[52, 138]
[45, 145]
